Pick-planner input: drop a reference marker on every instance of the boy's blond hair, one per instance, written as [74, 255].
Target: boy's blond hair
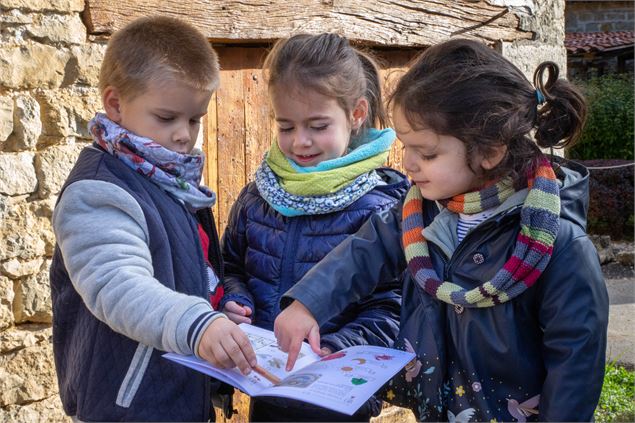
[155, 48]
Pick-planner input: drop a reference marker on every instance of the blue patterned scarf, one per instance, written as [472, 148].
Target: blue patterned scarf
[177, 174]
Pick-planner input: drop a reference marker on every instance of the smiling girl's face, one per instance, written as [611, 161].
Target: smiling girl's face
[312, 127]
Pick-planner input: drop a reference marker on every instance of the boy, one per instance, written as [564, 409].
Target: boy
[129, 278]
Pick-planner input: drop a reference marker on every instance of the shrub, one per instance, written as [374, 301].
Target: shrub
[616, 401]
[611, 198]
[608, 133]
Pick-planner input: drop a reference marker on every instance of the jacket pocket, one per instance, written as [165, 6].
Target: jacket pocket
[134, 375]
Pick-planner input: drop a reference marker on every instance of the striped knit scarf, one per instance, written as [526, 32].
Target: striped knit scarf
[539, 222]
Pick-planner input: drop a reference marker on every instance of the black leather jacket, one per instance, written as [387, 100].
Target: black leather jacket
[487, 363]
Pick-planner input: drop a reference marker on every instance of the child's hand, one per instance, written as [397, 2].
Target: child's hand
[226, 346]
[291, 327]
[325, 351]
[237, 313]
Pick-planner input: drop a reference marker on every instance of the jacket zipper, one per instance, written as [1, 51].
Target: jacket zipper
[288, 257]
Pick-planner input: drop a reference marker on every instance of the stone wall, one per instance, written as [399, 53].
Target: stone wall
[48, 77]
[597, 16]
[49, 70]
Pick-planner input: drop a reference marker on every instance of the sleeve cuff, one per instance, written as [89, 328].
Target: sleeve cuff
[198, 329]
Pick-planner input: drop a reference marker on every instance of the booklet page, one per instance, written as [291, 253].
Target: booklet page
[344, 380]
[269, 357]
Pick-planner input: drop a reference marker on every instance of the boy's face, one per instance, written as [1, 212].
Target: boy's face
[168, 112]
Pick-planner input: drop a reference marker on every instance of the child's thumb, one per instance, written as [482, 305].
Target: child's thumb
[314, 339]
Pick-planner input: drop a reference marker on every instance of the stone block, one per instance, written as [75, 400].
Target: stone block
[24, 336]
[546, 21]
[45, 411]
[603, 245]
[15, 268]
[32, 302]
[53, 29]
[88, 58]
[394, 414]
[32, 66]
[27, 125]
[66, 112]
[625, 258]
[6, 302]
[17, 174]
[27, 375]
[527, 56]
[64, 6]
[43, 212]
[13, 24]
[6, 118]
[53, 166]
[26, 233]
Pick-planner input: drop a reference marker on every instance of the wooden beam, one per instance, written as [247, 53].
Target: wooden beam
[407, 23]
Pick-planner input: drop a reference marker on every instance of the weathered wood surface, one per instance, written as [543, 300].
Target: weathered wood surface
[373, 22]
[230, 116]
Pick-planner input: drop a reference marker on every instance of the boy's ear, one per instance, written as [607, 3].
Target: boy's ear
[360, 113]
[495, 158]
[112, 103]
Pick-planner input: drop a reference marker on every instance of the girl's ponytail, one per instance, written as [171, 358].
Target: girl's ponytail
[376, 110]
[561, 108]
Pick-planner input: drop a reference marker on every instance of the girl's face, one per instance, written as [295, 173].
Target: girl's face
[437, 164]
[311, 127]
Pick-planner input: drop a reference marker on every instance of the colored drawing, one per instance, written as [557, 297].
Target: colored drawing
[358, 381]
[258, 341]
[301, 380]
[384, 357]
[347, 369]
[360, 360]
[333, 356]
[275, 362]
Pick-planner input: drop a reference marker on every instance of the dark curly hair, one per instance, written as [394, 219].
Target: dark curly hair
[466, 89]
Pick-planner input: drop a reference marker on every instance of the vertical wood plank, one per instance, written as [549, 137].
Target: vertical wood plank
[257, 110]
[395, 64]
[231, 132]
[210, 147]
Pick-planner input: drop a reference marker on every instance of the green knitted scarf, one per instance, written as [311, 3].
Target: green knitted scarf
[332, 175]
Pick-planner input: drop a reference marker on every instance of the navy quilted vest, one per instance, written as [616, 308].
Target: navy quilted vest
[92, 360]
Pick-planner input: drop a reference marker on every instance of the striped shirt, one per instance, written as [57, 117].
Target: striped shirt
[468, 221]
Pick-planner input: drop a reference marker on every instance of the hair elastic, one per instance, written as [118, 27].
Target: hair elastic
[540, 97]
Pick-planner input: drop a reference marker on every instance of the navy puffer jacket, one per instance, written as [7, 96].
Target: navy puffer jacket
[266, 253]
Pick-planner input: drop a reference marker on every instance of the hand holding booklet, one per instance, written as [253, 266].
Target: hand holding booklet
[342, 381]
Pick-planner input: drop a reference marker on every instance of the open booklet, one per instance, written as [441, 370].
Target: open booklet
[342, 381]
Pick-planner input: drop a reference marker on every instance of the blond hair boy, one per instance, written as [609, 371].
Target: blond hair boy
[129, 278]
